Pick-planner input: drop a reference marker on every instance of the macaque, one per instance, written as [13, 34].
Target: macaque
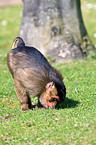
[33, 75]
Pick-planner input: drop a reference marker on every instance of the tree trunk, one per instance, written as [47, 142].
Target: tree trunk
[56, 28]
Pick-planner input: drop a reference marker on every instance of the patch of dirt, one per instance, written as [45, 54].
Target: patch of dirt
[4, 3]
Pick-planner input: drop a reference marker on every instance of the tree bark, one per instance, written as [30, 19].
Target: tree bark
[56, 28]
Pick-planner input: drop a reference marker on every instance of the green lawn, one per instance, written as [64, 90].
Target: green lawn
[89, 16]
[74, 122]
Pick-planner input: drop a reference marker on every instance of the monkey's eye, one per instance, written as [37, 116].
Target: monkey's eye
[54, 99]
[51, 86]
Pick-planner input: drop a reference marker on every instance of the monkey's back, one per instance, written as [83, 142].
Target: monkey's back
[29, 57]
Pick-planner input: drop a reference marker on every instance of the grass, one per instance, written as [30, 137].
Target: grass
[73, 123]
[89, 16]
[10, 20]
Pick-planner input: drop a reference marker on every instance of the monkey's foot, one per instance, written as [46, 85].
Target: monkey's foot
[24, 107]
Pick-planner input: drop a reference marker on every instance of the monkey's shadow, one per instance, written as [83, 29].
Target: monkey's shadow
[68, 103]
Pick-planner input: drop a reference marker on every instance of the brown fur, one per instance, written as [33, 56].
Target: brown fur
[33, 75]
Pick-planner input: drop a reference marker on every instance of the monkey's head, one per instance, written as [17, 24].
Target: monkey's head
[50, 97]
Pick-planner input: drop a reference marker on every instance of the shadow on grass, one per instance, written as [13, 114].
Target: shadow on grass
[68, 103]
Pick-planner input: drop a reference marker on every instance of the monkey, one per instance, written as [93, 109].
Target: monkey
[33, 76]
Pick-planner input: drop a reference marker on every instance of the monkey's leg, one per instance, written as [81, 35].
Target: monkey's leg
[23, 96]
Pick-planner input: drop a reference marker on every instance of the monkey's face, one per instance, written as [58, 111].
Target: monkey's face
[49, 98]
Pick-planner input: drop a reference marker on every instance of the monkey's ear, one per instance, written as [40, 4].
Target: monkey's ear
[50, 84]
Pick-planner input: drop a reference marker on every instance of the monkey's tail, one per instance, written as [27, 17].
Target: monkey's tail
[18, 42]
